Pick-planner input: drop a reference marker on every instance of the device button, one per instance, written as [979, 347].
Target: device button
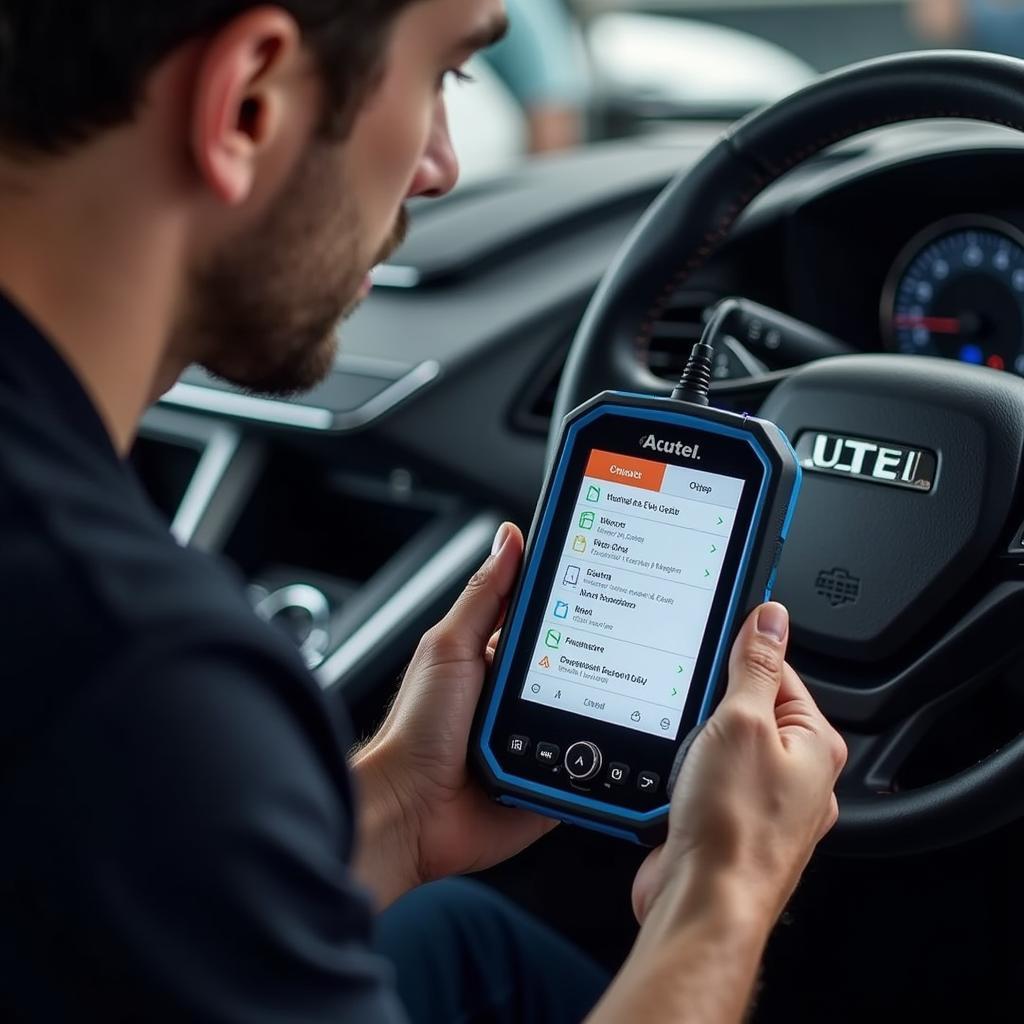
[618, 773]
[647, 782]
[518, 745]
[547, 753]
[583, 760]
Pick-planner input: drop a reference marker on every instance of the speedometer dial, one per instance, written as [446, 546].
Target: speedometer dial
[958, 291]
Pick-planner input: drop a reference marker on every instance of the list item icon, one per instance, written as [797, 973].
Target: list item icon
[561, 609]
[593, 493]
[553, 639]
[544, 662]
[586, 520]
[579, 544]
[572, 575]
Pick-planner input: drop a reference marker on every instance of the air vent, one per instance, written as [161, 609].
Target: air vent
[675, 332]
[534, 407]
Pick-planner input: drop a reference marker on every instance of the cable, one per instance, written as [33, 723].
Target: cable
[695, 382]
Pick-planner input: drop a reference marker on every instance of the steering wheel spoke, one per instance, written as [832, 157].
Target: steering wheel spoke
[875, 761]
[885, 726]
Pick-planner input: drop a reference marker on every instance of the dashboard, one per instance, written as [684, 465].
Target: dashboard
[356, 512]
[918, 259]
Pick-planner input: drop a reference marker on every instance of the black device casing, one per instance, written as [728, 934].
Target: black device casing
[763, 546]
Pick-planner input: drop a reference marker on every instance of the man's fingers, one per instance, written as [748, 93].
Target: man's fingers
[793, 687]
[796, 709]
[758, 655]
[463, 633]
[794, 700]
[492, 644]
[830, 818]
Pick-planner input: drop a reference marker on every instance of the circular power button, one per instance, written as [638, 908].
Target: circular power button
[583, 760]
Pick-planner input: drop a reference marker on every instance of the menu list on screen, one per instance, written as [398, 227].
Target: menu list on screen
[633, 591]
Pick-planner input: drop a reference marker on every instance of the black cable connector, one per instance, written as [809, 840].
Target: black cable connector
[695, 383]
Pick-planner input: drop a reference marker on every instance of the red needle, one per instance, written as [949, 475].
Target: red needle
[935, 324]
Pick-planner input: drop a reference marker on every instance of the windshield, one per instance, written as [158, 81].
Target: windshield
[577, 71]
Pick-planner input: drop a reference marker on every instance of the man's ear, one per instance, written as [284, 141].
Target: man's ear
[240, 98]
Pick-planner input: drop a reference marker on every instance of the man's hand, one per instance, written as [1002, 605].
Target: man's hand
[756, 793]
[754, 797]
[423, 815]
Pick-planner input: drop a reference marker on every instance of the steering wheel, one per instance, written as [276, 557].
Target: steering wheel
[902, 601]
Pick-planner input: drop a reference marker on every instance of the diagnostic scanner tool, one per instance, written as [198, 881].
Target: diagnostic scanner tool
[659, 528]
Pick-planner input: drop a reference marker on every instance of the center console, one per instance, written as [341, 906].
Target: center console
[352, 560]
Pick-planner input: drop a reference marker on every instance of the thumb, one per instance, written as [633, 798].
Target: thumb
[758, 656]
[479, 609]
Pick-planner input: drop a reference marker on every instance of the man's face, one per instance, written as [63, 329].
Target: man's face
[263, 311]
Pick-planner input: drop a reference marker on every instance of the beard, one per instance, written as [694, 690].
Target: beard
[264, 311]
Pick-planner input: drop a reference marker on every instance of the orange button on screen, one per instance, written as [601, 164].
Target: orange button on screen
[622, 469]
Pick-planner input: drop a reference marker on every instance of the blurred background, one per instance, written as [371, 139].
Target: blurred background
[577, 71]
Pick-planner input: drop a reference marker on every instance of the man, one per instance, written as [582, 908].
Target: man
[993, 25]
[210, 181]
[542, 62]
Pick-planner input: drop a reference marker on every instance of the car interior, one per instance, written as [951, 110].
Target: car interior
[872, 223]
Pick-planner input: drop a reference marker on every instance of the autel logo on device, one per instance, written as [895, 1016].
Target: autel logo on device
[687, 451]
[881, 462]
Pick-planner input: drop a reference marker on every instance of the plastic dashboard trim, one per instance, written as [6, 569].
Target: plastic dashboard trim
[303, 417]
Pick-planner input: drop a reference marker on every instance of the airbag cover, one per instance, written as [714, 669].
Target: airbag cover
[867, 564]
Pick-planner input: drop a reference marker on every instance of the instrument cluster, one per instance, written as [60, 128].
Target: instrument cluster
[957, 290]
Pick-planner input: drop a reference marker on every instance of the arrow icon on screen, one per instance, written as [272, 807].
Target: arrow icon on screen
[707, 573]
[720, 521]
[679, 668]
[674, 691]
[713, 549]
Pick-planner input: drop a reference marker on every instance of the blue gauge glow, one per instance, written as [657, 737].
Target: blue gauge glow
[959, 292]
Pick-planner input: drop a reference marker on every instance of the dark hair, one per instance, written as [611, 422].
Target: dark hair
[71, 68]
